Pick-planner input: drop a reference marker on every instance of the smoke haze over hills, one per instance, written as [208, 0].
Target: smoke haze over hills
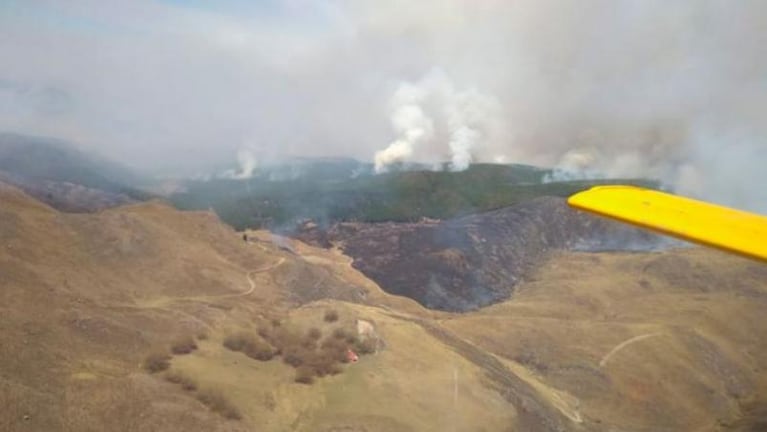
[670, 90]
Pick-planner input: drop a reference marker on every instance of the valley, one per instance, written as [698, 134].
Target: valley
[383, 216]
[589, 341]
[468, 262]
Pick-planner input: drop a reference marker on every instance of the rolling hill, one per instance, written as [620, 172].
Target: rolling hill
[473, 261]
[328, 191]
[93, 303]
[55, 172]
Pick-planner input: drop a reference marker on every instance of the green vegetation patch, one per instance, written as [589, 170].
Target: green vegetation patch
[399, 196]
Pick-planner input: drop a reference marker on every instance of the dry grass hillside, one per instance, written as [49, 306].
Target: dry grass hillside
[642, 342]
[144, 318]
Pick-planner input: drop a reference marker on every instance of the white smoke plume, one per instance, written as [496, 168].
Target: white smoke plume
[469, 116]
[411, 124]
[247, 164]
[431, 118]
[575, 165]
[725, 168]
[462, 140]
[673, 90]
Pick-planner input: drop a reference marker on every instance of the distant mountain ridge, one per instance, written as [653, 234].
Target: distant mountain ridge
[57, 173]
[342, 190]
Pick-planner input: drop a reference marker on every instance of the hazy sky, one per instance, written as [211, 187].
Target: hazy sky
[671, 89]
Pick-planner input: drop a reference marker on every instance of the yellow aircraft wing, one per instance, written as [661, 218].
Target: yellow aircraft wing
[697, 221]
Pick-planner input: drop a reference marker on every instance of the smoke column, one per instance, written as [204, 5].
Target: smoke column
[247, 163]
[672, 90]
[411, 124]
[431, 119]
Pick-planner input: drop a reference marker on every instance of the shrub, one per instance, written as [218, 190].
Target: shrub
[265, 333]
[276, 322]
[238, 341]
[202, 336]
[333, 344]
[531, 360]
[335, 348]
[298, 349]
[157, 362]
[366, 346]
[283, 338]
[331, 316]
[309, 344]
[250, 346]
[184, 345]
[218, 403]
[294, 356]
[314, 333]
[304, 375]
[259, 350]
[333, 369]
[322, 363]
[181, 379]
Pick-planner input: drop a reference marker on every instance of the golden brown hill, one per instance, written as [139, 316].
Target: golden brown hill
[638, 342]
[664, 341]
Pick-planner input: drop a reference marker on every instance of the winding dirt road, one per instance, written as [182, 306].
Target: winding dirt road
[163, 303]
[248, 276]
[624, 344]
[251, 282]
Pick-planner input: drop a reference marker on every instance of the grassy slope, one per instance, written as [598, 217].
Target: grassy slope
[402, 388]
[692, 366]
[86, 297]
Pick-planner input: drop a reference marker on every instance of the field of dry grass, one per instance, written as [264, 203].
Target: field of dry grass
[640, 342]
[663, 341]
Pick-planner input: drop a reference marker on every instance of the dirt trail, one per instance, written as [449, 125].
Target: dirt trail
[248, 277]
[624, 344]
[164, 303]
[252, 283]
